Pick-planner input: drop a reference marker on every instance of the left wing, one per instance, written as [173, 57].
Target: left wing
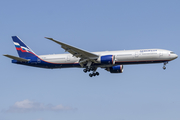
[76, 51]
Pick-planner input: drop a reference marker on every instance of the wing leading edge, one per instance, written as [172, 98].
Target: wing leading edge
[76, 51]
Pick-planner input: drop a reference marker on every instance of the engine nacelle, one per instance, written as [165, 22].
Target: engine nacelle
[115, 69]
[107, 59]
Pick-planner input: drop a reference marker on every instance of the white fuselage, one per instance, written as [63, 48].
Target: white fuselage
[122, 57]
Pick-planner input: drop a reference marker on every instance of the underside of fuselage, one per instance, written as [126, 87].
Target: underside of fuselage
[77, 65]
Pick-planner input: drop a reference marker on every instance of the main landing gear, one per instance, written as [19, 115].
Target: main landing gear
[164, 67]
[91, 69]
[93, 74]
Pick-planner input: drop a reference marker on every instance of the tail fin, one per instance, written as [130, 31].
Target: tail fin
[22, 49]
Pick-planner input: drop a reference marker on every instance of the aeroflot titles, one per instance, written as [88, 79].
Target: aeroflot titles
[148, 50]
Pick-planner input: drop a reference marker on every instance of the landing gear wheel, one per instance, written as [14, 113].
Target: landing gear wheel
[85, 70]
[94, 74]
[88, 70]
[97, 73]
[90, 75]
[164, 67]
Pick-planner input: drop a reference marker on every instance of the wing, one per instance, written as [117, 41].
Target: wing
[17, 58]
[76, 51]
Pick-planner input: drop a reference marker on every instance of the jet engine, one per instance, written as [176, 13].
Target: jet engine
[107, 59]
[115, 69]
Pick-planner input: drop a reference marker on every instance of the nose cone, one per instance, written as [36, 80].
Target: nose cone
[176, 56]
[173, 55]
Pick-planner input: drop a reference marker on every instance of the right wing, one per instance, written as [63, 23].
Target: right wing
[17, 58]
[76, 51]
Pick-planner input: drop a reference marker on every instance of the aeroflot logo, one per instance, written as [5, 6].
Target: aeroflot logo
[23, 49]
[148, 50]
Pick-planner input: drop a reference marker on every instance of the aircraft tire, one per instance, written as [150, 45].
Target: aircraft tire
[164, 67]
[90, 75]
[85, 70]
[88, 70]
[94, 74]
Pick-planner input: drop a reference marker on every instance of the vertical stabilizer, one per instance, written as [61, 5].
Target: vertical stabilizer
[23, 50]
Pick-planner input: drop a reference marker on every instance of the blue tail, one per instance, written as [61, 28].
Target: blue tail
[23, 50]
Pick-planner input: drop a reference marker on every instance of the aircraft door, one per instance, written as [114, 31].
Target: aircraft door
[68, 58]
[137, 55]
[160, 54]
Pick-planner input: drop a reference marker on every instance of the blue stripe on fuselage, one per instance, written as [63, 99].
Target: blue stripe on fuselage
[37, 62]
[47, 65]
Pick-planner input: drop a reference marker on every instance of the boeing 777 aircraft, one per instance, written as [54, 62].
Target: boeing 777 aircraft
[111, 61]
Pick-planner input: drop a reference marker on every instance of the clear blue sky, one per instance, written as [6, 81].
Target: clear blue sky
[142, 92]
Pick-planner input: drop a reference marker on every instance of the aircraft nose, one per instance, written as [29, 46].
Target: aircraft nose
[176, 56]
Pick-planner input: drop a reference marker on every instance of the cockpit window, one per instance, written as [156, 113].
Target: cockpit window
[172, 52]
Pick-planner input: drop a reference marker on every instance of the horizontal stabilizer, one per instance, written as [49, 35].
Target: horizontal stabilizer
[17, 58]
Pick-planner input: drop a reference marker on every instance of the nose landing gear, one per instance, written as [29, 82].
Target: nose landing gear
[164, 67]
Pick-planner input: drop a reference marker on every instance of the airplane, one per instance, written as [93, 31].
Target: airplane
[112, 61]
